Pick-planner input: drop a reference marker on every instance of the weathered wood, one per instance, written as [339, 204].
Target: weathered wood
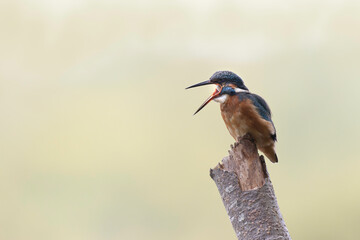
[247, 193]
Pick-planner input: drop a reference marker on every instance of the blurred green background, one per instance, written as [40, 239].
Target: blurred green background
[97, 136]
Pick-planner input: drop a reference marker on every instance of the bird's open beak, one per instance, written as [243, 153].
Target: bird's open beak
[212, 96]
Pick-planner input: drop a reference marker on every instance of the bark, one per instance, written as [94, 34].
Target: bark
[247, 193]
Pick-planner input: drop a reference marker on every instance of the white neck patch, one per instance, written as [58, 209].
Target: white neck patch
[240, 90]
[221, 99]
[224, 97]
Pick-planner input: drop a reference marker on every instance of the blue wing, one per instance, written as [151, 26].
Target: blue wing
[261, 107]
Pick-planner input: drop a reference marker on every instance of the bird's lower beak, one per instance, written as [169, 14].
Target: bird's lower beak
[214, 95]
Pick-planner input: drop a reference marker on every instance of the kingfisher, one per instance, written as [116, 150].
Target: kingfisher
[243, 112]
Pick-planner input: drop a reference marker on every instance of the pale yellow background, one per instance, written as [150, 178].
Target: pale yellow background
[97, 137]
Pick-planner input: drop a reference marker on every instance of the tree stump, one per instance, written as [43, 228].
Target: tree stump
[247, 193]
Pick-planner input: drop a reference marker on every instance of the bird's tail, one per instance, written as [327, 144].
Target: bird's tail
[270, 153]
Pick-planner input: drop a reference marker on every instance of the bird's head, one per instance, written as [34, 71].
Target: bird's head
[227, 84]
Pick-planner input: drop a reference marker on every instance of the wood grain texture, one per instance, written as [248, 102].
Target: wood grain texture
[248, 194]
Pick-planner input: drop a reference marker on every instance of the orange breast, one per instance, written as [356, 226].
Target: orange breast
[241, 117]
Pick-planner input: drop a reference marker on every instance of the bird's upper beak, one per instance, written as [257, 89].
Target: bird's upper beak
[212, 96]
[207, 82]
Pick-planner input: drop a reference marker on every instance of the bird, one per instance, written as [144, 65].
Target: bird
[242, 111]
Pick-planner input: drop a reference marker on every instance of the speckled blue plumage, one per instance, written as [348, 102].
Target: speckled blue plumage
[221, 77]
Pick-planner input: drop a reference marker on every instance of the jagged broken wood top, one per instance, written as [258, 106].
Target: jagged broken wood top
[245, 162]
